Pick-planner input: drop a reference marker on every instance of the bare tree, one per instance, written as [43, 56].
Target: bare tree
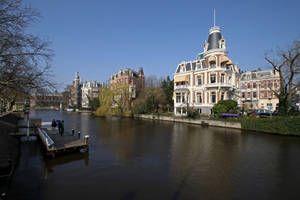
[24, 58]
[287, 65]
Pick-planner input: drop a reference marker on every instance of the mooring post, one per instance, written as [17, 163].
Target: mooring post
[86, 139]
[73, 132]
[79, 134]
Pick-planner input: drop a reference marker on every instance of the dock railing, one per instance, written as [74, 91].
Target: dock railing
[45, 138]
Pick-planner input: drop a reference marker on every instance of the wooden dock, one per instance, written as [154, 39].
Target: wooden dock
[55, 143]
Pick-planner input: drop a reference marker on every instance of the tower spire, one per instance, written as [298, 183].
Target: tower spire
[214, 17]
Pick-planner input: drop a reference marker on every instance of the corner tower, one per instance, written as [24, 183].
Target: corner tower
[216, 42]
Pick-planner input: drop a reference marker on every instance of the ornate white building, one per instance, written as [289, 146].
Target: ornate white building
[210, 78]
[89, 90]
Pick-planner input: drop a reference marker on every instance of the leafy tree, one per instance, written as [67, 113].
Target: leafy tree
[121, 99]
[105, 101]
[224, 106]
[94, 103]
[287, 64]
[167, 86]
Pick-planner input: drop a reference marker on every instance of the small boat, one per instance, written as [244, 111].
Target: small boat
[70, 109]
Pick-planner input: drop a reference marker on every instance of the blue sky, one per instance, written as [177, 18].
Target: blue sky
[96, 38]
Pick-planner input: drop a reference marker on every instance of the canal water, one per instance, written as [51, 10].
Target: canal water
[139, 159]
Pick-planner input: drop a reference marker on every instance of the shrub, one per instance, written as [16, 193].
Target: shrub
[277, 124]
[192, 113]
[224, 106]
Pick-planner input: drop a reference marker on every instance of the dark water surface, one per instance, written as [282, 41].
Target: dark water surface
[137, 159]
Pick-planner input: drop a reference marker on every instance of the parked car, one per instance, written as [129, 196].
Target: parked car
[261, 113]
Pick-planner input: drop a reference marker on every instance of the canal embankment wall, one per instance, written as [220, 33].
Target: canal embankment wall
[9, 145]
[289, 126]
[207, 122]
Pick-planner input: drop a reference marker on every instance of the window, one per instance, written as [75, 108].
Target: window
[183, 98]
[223, 64]
[178, 96]
[243, 86]
[198, 66]
[262, 84]
[212, 64]
[254, 85]
[222, 78]
[248, 95]
[222, 96]
[199, 80]
[203, 64]
[269, 84]
[269, 106]
[254, 94]
[248, 85]
[212, 78]
[213, 97]
[243, 94]
[199, 98]
[194, 65]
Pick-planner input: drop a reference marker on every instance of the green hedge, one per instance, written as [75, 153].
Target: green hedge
[281, 125]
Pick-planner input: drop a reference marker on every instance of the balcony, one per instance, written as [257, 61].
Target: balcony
[225, 85]
[180, 86]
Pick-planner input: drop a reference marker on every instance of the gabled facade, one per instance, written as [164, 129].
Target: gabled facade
[210, 78]
[134, 80]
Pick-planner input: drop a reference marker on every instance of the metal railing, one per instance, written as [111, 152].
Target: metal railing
[45, 138]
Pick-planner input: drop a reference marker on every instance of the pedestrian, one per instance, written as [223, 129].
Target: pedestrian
[62, 127]
[53, 125]
[59, 126]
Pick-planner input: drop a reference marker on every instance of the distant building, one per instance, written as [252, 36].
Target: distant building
[203, 82]
[135, 80]
[75, 92]
[256, 90]
[89, 90]
[47, 101]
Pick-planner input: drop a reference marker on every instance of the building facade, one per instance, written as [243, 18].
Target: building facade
[134, 80]
[56, 101]
[210, 78]
[75, 92]
[256, 90]
[89, 90]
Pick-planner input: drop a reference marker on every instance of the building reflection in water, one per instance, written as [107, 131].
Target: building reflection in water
[203, 160]
[129, 139]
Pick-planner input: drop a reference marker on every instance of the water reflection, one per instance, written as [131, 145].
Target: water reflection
[51, 163]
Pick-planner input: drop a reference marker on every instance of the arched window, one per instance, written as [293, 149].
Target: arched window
[212, 64]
